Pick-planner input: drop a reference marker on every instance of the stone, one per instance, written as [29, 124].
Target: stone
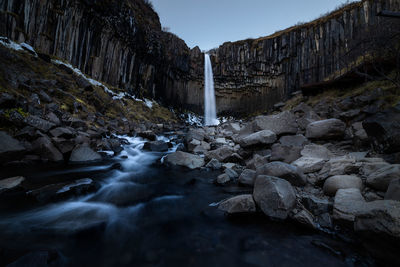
[280, 124]
[222, 154]
[39, 123]
[193, 144]
[231, 173]
[148, 135]
[47, 150]
[316, 151]
[10, 148]
[381, 178]
[156, 146]
[275, 196]
[247, 177]
[347, 204]
[238, 204]
[202, 148]
[393, 192]
[339, 166]
[63, 145]
[62, 132]
[326, 129]
[83, 153]
[257, 161]
[285, 153]
[214, 164]
[265, 137]
[184, 159]
[334, 183]
[194, 133]
[309, 165]
[383, 129]
[317, 205]
[304, 217]
[283, 170]
[11, 183]
[294, 140]
[223, 179]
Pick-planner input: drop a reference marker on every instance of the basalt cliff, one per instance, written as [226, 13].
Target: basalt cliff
[121, 43]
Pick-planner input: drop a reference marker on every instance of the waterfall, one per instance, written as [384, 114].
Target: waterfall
[210, 114]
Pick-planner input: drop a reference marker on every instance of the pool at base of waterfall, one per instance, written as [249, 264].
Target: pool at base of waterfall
[144, 214]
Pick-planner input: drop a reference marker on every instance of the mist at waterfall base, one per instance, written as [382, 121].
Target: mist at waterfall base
[210, 112]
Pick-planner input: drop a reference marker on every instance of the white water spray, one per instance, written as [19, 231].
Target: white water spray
[210, 114]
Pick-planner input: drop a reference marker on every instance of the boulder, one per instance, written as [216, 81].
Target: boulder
[285, 153]
[285, 171]
[393, 192]
[339, 166]
[334, 183]
[305, 218]
[202, 148]
[316, 205]
[223, 179]
[309, 165]
[83, 153]
[294, 140]
[275, 196]
[222, 154]
[316, 151]
[156, 146]
[280, 124]
[383, 130]
[238, 204]
[257, 161]
[214, 164]
[347, 204]
[184, 159]
[265, 137]
[62, 132]
[326, 129]
[381, 178]
[47, 150]
[247, 177]
[198, 134]
[10, 148]
[39, 123]
[231, 173]
[149, 135]
[11, 183]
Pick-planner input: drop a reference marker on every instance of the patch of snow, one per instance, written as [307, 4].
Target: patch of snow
[10, 44]
[29, 48]
[148, 103]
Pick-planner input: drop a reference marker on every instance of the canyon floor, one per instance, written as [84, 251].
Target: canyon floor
[94, 176]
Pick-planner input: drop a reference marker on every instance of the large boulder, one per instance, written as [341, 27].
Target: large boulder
[156, 146]
[62, 132]
[195, 133]
[10, 148]
[326, 129]
[247, 177]
[285, 153]
[348, 203]
[294, 140]
[309, 165]
[280, 124]
[316, 151]
[222, 154]
[83, 153]
[265, 137]
[381, 178]
[383, 130]
[275, 196]
[47, 150]
[334, 183]
[393, 192]
[184, 159]
[238, 204]
[283, 170]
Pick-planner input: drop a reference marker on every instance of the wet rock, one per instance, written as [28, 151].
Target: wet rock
[157, 146]
[184, 159]
[381, 178]
[62, 132]
[223, 179]
[11, 183]
[280, 124]
[148, 135]
[39, 123]
[222, 154]
[265, 137]
[347, 204]
[10, 148]
[393, 192]
[47, 150]
[304, 217]
[326, 129]
[214, 164]
[83, 153]
[238, 204]
[247, 177]
[283, 170]
[334, 183]
[309, 165]
[275, 196]
[285, 153]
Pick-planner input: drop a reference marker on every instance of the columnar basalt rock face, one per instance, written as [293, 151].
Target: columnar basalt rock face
[255, 74]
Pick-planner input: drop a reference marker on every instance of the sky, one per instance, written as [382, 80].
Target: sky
[210, 23]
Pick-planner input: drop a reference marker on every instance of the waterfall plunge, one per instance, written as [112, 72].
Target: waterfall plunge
[210, 114]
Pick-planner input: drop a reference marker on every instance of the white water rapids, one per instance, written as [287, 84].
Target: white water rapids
[210, 114]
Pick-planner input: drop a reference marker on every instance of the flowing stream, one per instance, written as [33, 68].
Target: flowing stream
[144, 214]
[210, 113]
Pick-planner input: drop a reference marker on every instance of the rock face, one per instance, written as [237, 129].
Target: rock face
[238, 204]
[274, 196]
[326, 129]
[283, 170]
[184, 159]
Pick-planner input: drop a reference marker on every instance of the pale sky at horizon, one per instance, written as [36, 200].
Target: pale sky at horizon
[210, 23]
